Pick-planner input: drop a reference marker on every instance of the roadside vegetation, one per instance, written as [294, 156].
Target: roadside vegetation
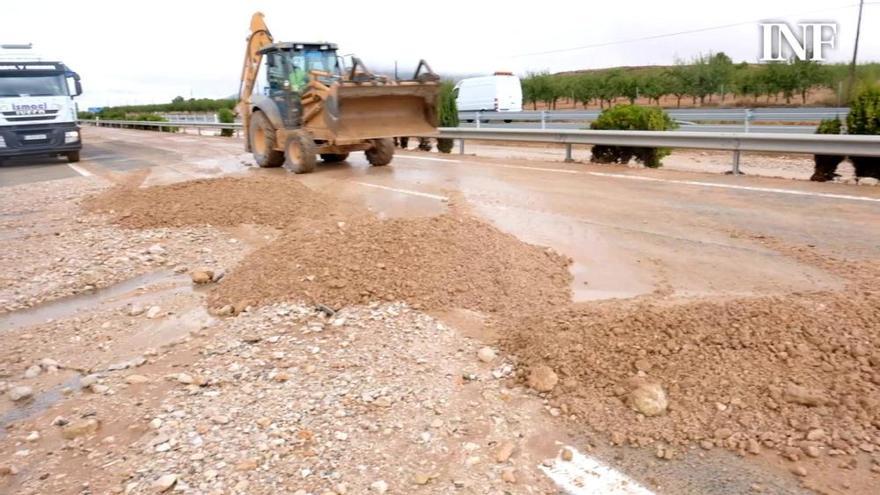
[711, 79]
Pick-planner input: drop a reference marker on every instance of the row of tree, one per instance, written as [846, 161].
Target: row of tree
[178, 104]
[707, 78]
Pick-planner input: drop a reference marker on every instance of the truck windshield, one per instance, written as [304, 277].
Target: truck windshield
[18, 85]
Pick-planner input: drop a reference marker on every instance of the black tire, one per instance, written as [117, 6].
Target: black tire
[72, 156]
[334, 157]
[299, 154]
[261, 134]
[381, 153]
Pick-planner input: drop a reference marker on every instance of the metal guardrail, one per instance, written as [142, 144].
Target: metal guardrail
[234, 126]
[687, 117]
[735, 142]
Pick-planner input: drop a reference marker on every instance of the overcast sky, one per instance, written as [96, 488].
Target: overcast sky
[141, 52]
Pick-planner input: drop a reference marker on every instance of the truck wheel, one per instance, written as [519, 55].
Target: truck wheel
[334, 157]
[381, 153]
[299, 154]
[262, 138]
[72, 156]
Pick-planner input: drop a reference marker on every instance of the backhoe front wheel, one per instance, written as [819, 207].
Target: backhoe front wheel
[261, 134]
[299, 154]
[381, 153]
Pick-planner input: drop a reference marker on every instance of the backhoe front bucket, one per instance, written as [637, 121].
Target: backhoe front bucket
[350, 111]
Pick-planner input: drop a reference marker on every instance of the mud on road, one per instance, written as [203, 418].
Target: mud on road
[307, 363]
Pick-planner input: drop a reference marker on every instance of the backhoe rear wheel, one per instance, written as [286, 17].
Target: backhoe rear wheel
[334, 157]
[299, 153]
[262, 137]
[381, 153]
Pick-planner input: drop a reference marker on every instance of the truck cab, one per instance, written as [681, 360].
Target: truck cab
[38, 115]
[288, 65]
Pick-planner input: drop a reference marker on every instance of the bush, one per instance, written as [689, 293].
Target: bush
[448, 114]
[631, 117]
[226, 116]
[826, 165]
[864, 119]
[149, 117]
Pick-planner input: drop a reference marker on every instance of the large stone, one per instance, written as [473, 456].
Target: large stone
[486, 354]
[648, 398]
[202, 276]
[804, 396]
[21, 392]
[542, 378]
[165, 482]
[80, 428]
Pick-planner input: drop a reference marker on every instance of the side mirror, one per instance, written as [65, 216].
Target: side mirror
[77, 87]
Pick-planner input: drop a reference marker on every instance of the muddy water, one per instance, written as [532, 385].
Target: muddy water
[68, 306]
[38, 404]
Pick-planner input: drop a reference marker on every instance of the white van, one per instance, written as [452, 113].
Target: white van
[501, 92]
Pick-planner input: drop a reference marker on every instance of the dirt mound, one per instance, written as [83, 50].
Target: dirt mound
[226, 201]
[451, 260]
[337, 254]
[798, 374]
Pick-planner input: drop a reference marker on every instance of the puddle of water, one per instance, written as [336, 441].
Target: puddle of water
[38, 404]
[600, 269]
[65, 307]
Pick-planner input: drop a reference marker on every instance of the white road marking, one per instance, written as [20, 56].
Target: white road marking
[683, 182]
[737, 187]
[404, 191]
[428, 158]
[80, 170]
[584, 475]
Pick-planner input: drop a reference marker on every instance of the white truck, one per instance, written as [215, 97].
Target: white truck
[501, 92]
[37, 112]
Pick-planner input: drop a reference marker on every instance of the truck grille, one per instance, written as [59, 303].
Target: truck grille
[30, 117]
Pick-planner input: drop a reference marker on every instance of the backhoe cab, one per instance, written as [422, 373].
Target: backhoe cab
[314, 105]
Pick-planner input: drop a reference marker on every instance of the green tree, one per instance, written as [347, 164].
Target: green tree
[448, 113]
[631, 117]
[226, 116]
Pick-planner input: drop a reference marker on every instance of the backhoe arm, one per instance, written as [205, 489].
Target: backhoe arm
[259, 38]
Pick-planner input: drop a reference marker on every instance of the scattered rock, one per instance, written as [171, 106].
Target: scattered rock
[508, 475]
[648, 398]
[202, 276]
[33, 436]
[156, 249]
[33, 372]
[80, 428]
[136, 310]
[567, 454]
[136, 379]
[379, 486]
[421, 478]
[21, 392]
[486, 354]
[164, 483]
[542, 378]
[504, 451]
[154, 312]
[804, 396]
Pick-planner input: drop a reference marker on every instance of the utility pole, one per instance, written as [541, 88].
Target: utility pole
[395, 71]
[852, 67]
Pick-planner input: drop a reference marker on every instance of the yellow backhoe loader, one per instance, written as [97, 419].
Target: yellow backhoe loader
[313, 105]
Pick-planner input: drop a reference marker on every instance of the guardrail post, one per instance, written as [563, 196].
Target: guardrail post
[478, 119]
[735, 170]
[568, 158]
[747, 119]
[461, 146]
[543, 119]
